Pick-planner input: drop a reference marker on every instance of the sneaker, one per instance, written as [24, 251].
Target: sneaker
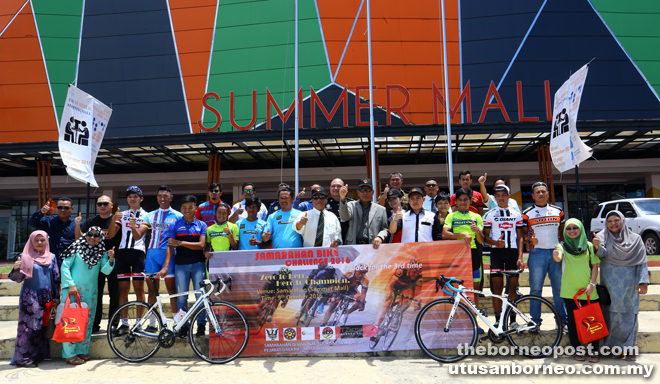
[496, 325]
[565, 328]
[201, 330]
[303, 317]
[183, 332]
[151, 329]
[321, 309]
[579, 356]
[122, 330]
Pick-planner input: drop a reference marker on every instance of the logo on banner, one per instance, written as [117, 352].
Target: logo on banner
[307, 333]
[328, 333]
[561, 123]
[272, 334]
[351, 332]
[76, 132]
[290, 333]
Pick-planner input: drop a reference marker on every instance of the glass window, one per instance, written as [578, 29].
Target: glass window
[609, 207]
[596, 211]
[648, 207]
[625, 208]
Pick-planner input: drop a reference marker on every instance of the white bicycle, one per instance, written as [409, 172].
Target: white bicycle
[148, 328]
[446, 328]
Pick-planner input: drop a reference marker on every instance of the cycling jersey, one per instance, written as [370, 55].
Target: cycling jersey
[247, 229]
[280, 225]
[219, 240]
[504, 221]
[461, 222]
[185, 231]
[127, 239]
[354, 283]
[404, 281]
[544, 222]
[159, 221]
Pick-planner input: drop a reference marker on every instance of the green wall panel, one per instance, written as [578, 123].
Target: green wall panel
[254, 50]
[59, 29]
[637, 26]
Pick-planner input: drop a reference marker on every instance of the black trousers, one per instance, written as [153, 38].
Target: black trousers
[113, 291]
[572, 328]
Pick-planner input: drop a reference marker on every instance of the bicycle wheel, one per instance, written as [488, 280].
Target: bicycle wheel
[232, 336]
[311, 313]
[543, 334]
[338, 313]
[392, 329]
[137, 343]
[440, 344]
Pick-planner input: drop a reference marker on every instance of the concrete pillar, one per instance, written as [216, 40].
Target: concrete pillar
[516, 193]
[237, 195]
[112, 194]
[653, 186]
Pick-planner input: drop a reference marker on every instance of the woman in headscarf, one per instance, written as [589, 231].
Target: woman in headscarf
[580, 265]
[37, 269]
[81, 264]
[625, 273]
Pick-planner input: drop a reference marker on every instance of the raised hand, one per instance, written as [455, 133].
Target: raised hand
[118, 215]
[78, 219]
[239, 211]
[533, 240]
[17, 263]
[304, 219]
[45, 209]
[301, 194]
[111, 254]
[227, 230]
[253, 241]
[265, 236]
[556, 254]
[132, 220]
[473, 227]
[343, 192]
[595, 241]
[399, 214]
[387, 189]
[482, 179]
[500, 242]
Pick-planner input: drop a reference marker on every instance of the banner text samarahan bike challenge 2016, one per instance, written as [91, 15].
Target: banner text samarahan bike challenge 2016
[326, 300]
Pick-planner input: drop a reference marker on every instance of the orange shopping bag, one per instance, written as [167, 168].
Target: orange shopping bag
[72, 325]
[589, 320]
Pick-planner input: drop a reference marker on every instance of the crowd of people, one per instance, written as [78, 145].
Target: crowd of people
[70, 256]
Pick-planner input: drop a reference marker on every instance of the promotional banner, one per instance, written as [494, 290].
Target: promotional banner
[566, 148]
[83, 125]
[327, 300]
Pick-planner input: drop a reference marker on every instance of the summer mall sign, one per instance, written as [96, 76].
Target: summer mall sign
[492, 101]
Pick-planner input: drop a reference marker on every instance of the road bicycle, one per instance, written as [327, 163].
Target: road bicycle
[149, 329]
[306, 316]
[389, 327]
[340, 314]
[445, 329]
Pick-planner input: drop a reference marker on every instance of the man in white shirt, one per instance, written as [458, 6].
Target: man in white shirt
[318, 227]
[238, 210]
[489, 200]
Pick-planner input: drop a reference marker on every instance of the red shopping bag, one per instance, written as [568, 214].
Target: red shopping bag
[47, 311]
[589, 320]
[72, 326]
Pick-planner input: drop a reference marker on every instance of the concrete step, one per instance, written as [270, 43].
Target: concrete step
[648, 342]
[10, 288]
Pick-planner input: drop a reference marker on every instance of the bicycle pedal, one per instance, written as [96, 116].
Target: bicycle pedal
[482, 338]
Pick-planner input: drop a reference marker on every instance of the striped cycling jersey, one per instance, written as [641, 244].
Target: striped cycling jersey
[127, 239]
[544, 222]
[504, 221]
[159, 221]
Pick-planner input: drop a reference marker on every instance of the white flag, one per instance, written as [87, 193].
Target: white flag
[83, 125]
[566, 148]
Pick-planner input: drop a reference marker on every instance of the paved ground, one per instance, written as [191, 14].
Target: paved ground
[317, 370]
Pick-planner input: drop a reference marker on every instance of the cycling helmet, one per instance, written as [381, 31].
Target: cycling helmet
[285, 271]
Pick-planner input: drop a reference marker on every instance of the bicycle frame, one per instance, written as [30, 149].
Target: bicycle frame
[459, 294]
[202, 300]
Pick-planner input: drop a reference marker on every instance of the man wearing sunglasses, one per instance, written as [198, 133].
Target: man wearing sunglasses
[103, 220]
[61, 229]
[238, 209]
[367, 220]
[206, 210]
[431, 189]
[318, 227]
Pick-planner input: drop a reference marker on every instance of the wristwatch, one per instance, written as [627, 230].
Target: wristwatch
[594, 284]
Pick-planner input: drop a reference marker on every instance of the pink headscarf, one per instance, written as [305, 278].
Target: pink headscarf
[31, 256]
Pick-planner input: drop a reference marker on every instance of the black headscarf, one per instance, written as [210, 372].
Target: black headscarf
[91, 254]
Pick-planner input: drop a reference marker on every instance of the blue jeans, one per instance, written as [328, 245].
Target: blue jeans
[540, 263]
[182, 276]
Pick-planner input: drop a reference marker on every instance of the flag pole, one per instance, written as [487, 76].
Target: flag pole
[450, 161]
[371, 104]
[577, 185]
[297, 107]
